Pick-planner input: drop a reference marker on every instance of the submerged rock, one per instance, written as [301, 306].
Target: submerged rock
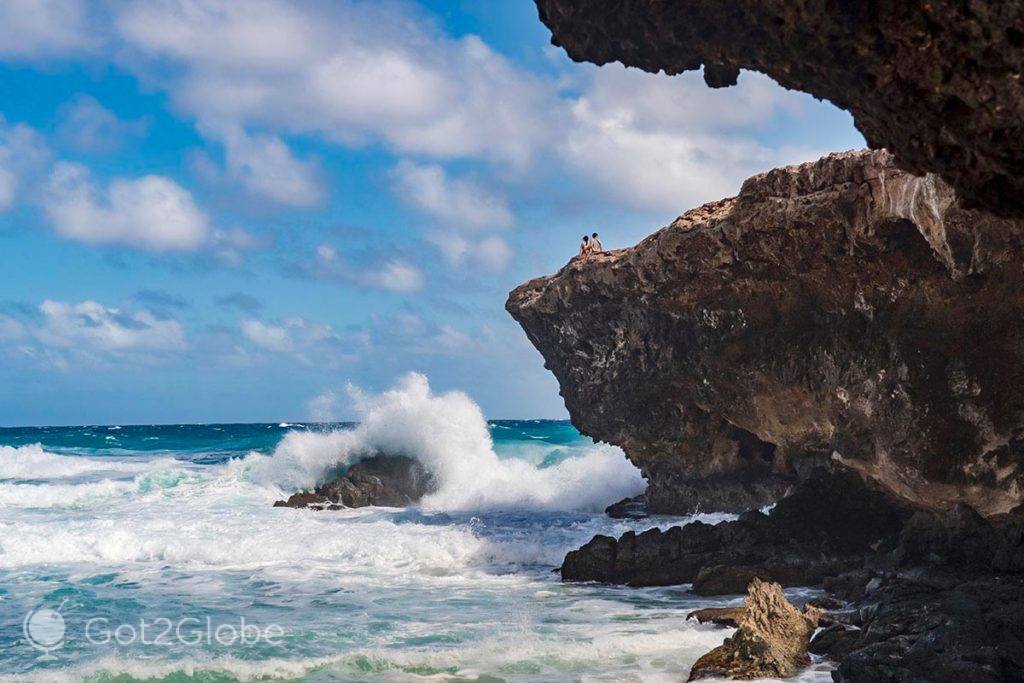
[840, 309]
[382, 480]
[937, 82]
[770, 642]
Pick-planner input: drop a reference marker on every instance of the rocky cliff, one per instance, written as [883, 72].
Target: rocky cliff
[938, 82]
[842, 309]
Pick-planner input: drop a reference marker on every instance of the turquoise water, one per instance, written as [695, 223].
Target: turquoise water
[172, 528]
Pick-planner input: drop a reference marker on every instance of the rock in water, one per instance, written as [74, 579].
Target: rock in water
[836, 309]
[384, 480]
[771, 641]
[937, 82]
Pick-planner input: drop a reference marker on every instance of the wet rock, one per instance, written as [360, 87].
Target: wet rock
[823, 529]
[835, 641]
[303, 499]
[722, 616]
[628, 508]
[917, 631]
[723, 579]
[381, 480]
[770, 642]
[841, 309]
[937, 82]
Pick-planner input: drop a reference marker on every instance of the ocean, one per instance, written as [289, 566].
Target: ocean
[153, 552]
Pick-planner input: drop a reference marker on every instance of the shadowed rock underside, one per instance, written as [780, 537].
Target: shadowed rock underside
[938, 83]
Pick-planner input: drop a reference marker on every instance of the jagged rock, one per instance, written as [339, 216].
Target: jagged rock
[628, 508]
[771, 641]
[383, 480]
[727, 579]
[918, 631]
[722, 616]
[840, 308]
[937, 82]
[835, 641]
[823, 529]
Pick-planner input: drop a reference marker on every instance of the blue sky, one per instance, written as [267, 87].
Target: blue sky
[224, 211]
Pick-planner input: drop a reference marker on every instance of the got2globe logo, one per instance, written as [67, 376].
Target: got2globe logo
[44, 630]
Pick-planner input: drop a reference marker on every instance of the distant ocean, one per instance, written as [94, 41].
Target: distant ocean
[154, 553]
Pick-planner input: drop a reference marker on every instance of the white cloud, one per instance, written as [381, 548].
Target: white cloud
[269, 337]
[490, 253]
[40, 29]
[306, 341]
[88, 126]
[461, 202]
[393, 274]
[151, 212]
[352, 72]
[667, 144]
[22, 154]
[266, 167]
[94, 326]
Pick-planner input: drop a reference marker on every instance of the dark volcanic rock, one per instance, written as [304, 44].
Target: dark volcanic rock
[384, 480]
[937, 82]
[919, 631]
[841, 308]
[771, 641]
[628, 508]
[823, 529]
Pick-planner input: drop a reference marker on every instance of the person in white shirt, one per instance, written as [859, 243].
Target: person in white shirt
[585, 246]
[595, 243]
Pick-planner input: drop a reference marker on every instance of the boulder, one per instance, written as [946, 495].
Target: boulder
[770, 641]
[381, 480]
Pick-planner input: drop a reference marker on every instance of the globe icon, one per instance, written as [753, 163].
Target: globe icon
[44, 630]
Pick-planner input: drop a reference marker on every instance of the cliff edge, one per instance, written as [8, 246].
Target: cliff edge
[841, 310]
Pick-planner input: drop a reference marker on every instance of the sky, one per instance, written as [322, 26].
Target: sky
[217, 211]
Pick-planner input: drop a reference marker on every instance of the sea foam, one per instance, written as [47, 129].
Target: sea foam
[447, 432]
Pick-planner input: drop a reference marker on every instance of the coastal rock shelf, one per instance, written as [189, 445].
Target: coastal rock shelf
[838, 310]
[938, 82]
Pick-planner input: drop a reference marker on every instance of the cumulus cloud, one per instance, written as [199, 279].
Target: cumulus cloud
[60, 333]
[88, 126]
[427, 188]
[390, 274]
[42, 29]
[303, 340]
[659, 143]
[151, 212]
[266, 167]
[23, 154]
[490, 253]
[352, 72]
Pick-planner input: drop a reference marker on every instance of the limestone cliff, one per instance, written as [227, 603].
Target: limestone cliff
[839, 309]
[937, 82]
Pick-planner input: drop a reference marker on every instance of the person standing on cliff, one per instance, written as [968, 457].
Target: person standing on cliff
[585, 247]
[595, 243]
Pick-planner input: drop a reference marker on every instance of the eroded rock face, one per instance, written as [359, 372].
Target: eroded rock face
[382, 480]
[841, 308]
[770, 642]
[937, 82]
